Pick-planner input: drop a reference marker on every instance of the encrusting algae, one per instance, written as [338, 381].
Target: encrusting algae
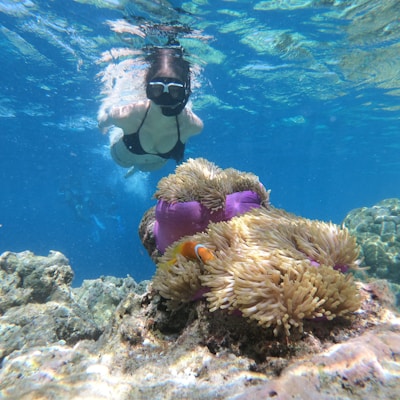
[271, 266]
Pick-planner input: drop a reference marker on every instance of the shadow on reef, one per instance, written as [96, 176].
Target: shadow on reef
[221, 331]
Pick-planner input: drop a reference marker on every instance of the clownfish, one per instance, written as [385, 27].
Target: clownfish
[192, 251]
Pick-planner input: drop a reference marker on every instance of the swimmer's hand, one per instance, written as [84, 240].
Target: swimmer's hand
[104, 120]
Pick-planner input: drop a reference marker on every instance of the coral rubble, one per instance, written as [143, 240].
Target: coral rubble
[377, 230]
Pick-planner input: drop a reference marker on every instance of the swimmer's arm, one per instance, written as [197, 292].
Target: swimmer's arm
[198, 124]
[193, 125]
[124, 117]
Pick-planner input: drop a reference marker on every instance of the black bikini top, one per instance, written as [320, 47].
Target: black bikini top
[132, 142]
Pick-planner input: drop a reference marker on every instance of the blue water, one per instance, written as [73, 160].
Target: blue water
[306, 97]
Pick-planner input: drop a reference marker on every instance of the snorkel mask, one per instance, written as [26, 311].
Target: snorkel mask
[169, 93]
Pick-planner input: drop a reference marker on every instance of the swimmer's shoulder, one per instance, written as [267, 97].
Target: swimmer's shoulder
[192, 123]
[128, 110]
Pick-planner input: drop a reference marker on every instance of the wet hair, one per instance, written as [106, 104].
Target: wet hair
[168, 62]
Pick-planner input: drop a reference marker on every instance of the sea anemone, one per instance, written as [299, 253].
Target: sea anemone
[198, 193]
[272, 266]
[203, 181]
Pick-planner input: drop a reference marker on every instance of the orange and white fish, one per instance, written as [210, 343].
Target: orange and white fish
[192, 251]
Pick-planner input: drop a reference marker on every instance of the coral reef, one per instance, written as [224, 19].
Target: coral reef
[35, 292]
[146, 351]
[27, 278]
[377, 230]
[102, 296]
[269, 265]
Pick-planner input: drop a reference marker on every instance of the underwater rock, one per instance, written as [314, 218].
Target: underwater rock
[35, 303]
[102, 296]
[38, 324]
[377, 230]
[25, 277]
[360, 366]
[149, 352]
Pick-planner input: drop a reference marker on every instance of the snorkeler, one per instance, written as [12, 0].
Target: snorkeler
[156, 129]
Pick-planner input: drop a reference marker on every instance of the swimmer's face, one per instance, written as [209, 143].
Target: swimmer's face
[166, 92]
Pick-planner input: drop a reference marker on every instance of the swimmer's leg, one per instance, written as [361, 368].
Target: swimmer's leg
[131, 171]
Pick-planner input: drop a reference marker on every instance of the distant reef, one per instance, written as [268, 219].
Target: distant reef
[113, 338]
[377, 230]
